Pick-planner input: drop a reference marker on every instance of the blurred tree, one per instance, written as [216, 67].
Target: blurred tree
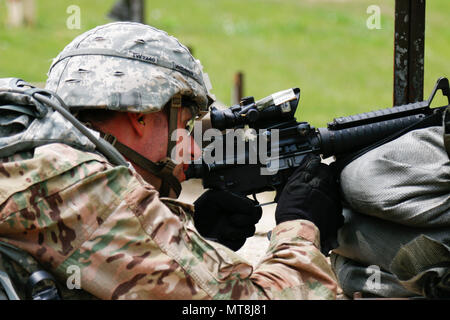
[21, 12]
[128, 10]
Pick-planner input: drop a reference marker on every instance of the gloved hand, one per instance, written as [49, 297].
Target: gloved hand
[312, 193]
[225, 217]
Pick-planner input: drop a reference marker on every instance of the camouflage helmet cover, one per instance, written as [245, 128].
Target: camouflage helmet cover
[127, 66]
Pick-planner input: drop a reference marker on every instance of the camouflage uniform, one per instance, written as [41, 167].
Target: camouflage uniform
[68, 206]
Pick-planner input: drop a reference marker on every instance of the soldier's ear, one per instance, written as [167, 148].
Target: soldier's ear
[137, 121]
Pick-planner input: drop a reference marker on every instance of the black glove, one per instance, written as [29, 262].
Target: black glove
[226, 218]
[312, 193]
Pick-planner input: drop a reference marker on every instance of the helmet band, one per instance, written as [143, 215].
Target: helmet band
[132, 56]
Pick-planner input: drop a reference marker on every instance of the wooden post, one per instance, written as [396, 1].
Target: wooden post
[409, 51]
[29, 12]
[15, 13]
[20, 12]
[238, 89]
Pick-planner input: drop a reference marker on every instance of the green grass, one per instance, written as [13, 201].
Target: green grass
[323, 47]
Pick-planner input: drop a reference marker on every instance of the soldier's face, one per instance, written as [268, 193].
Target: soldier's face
[153, 142]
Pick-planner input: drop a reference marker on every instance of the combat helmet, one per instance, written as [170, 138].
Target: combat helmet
[127, 66]
[132, 67]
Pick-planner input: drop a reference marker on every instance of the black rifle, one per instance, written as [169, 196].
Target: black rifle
[345, 138]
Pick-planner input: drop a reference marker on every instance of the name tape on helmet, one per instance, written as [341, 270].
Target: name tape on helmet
[132, 56]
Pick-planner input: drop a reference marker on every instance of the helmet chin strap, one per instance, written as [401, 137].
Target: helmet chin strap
[162, 169]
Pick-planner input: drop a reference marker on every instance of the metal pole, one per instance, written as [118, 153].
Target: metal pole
[409, 51]
[238, 90]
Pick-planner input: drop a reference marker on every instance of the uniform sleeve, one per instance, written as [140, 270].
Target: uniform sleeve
[103, 229]
[294, 267]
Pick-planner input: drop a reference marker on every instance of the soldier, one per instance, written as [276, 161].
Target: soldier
[68, 206]
[128, 10]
